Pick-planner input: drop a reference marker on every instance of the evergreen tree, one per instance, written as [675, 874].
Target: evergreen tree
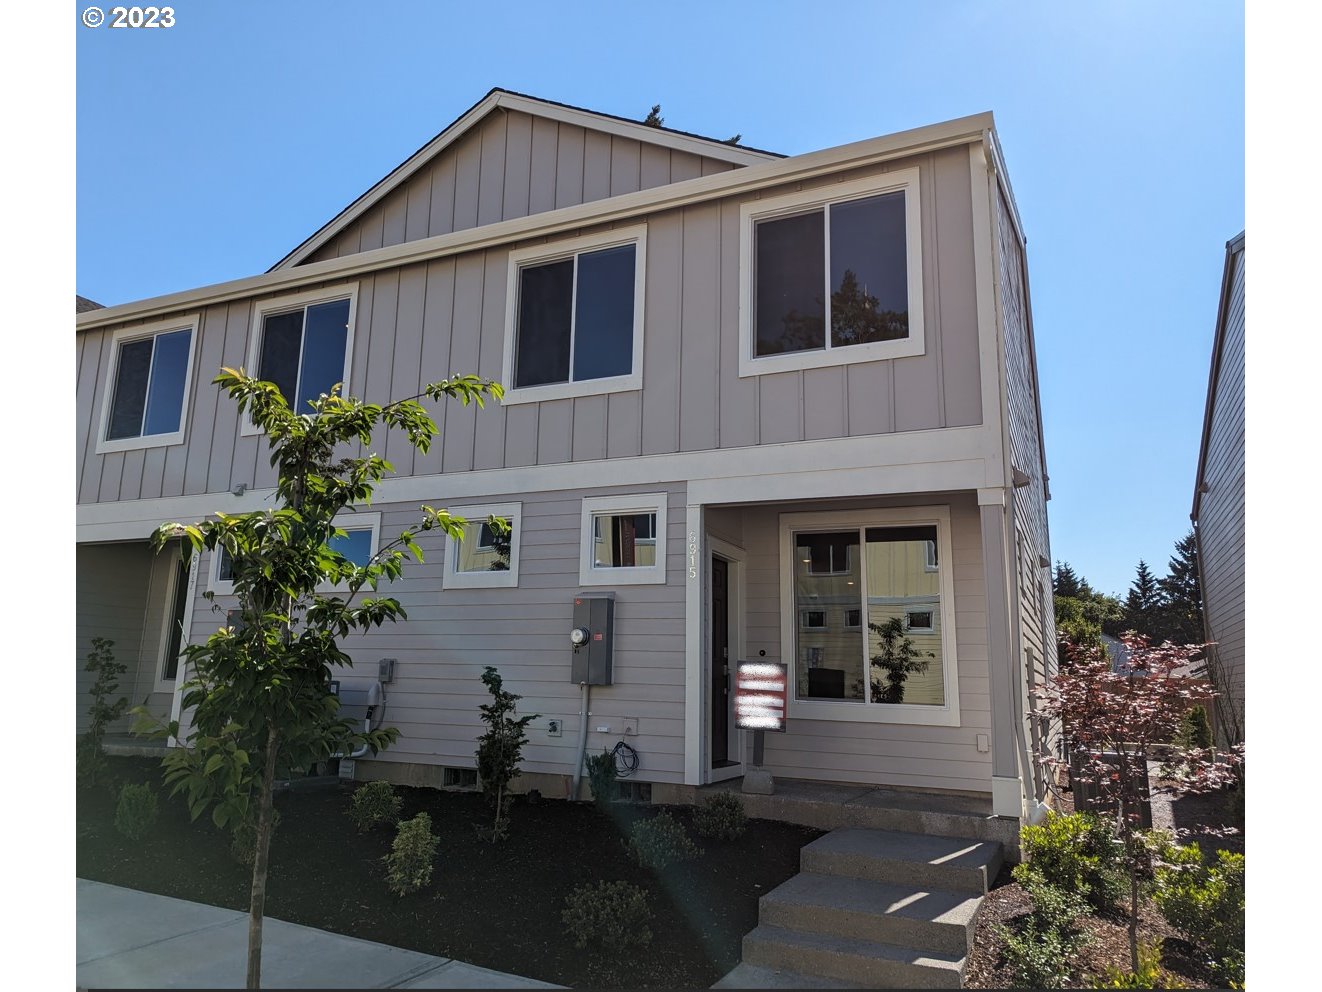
[1065, 582]
[654, 118]
[1143, 603]
[1182, 599]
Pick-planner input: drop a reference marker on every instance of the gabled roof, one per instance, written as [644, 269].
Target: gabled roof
[508, 100]
[84, 304]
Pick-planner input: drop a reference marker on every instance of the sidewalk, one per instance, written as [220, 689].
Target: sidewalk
[130, 939]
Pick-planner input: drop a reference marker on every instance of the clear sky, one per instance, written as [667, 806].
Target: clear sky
[208, 150]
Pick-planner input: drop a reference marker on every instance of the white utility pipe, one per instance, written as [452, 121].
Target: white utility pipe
[582, 739]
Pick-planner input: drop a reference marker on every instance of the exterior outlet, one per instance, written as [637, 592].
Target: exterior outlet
[554, 728]
[984, 744]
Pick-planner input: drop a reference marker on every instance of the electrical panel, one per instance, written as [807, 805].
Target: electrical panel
[593, 639]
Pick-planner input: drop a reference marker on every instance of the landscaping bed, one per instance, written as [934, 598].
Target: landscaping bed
[493, 905]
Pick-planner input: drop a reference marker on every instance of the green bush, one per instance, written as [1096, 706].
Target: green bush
[610, 915]
[1206, 903]
[89, 762]
[243, 837]
[601, 777]
[1195, 732]
[412, 855]
[720, 816]
[1148, 976]
[374, 803]
[660, 841]
[1038, 948]
[136, 812]
[1076, 853]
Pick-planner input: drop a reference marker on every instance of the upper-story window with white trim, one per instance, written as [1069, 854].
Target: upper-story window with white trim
[303, 344]
[487, 557]
[831, 275]
[623, 540]
[574, 317]
[146, 399]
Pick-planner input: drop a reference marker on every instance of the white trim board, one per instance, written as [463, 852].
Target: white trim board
[190, 322]
[637, 503]
[503, 99]
[627, 207]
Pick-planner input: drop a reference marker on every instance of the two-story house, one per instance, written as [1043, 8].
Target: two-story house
[775, 405]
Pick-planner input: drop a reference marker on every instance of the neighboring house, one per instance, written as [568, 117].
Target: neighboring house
[1218, 501]
[767, 402]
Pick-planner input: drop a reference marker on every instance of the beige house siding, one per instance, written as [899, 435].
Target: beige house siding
[111, 595]
[424, 321]
[513, 164]
[1219, 511]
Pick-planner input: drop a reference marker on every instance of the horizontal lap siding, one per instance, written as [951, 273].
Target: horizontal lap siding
[111, 585]
[425, 321]
[1221, 508]
[877, 753]
[450, 634]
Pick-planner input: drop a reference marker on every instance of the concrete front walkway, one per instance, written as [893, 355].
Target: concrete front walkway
[130, 939]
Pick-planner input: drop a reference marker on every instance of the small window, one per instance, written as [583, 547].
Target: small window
[812, 619]
[486, 557]
[358, 544]
[919, 620]
[832, 276]
[303, 344]
[574, 318]
[853, 619]
[623, 540]
[147, 386]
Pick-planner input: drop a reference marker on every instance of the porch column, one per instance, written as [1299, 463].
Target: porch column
[1007, 789]
[695, 581]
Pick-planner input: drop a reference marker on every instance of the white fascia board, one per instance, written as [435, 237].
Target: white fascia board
[629, 206]
[950, 459]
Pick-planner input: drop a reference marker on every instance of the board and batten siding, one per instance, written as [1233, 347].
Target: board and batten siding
[904, 755]
[514, 164]
[451, 634]
[1032, 542]
[425, 321]
[1220, 519]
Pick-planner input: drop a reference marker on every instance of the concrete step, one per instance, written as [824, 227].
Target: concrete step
[750, 976]
[915, 860]
[935, 919]
[866, 962]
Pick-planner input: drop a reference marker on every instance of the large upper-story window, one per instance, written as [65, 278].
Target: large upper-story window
[149, 375]
[832, 275]
[303, 343]
[574, 317]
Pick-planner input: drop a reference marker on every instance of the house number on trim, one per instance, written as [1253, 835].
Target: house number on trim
[693, 555]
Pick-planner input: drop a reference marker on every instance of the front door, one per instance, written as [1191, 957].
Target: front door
[720, 663]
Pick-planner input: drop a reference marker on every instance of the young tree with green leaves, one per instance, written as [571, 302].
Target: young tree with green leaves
[258, 693]
[896, 660]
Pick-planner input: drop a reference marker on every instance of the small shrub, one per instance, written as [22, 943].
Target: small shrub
[1195, 732]
[601, 777]
[720, 816]
[90, 762]
[660, 841]
[610, 915]
[412, 856]
[1076, 853]
[91, 759]
[1148, 976]
[374, 803]
[243, 837]
[500, 750]
[136, 812]
[1038, 949]
[1206, 903]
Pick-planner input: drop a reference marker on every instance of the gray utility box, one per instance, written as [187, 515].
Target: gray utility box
[593, 660]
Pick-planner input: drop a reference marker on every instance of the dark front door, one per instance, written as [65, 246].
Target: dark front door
[720, 662]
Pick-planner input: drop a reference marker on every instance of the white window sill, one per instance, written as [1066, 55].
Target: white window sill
[139, 443]
[859, 711]
[821, 358]
[569, 390]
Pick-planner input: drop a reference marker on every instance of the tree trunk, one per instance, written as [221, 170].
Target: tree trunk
[1133, 919]
[257, 904]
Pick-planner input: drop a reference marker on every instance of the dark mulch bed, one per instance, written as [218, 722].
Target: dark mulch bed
[497, 906]
[1202, 817]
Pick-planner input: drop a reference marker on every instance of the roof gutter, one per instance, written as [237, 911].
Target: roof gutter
[629, 206]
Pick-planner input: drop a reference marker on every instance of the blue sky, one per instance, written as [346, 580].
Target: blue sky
[206, 151]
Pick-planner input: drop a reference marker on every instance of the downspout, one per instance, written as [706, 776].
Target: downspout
[581, 751]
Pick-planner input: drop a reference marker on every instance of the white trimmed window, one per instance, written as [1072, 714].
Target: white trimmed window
[574, 317]
[893, 659]
[623, 540]
[485, 558]
[358, 543]
[303, 344]
[146, 399]
[831, 276]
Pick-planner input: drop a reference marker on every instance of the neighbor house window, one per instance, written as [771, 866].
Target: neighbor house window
[303, 344]
[574, 317]
[148, 381]
[358, 543]
[871, 637]
[832, 275]
[488, 555]
[623, 540]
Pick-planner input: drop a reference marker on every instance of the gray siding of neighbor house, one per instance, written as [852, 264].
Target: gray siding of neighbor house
[450, 634]
[421, 322]
[1036, 614]
[1221, 508]
[903, 755]
[511, 165]
[112, 583]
